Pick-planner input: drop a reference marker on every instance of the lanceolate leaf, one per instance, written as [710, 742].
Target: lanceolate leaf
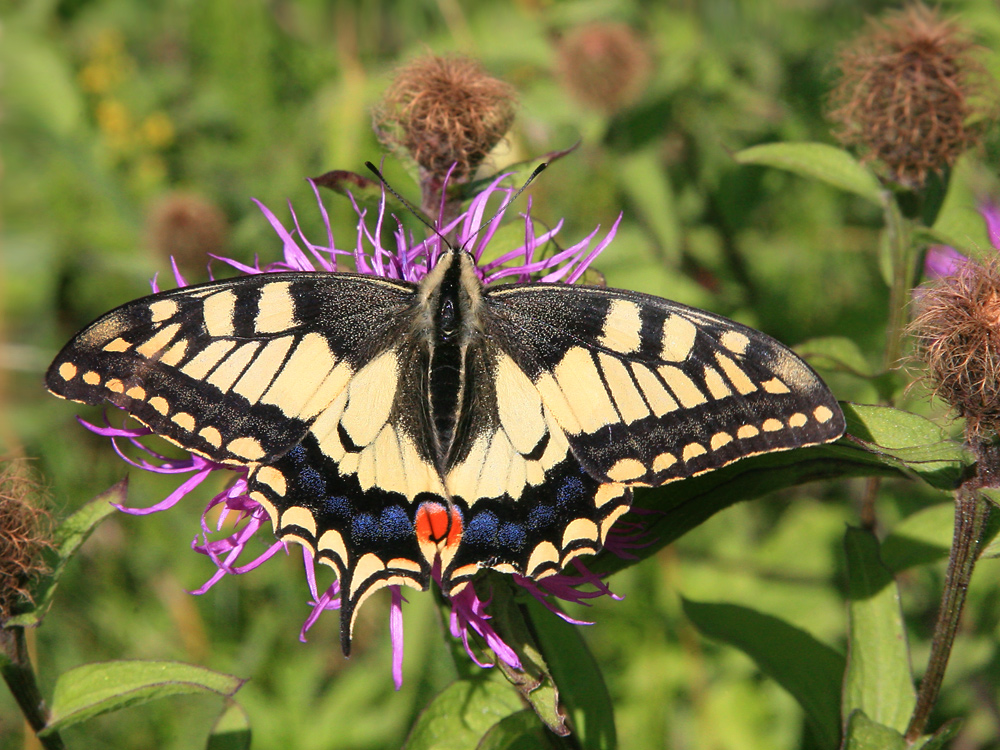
[520, 731]
[811, 671]
[535, 679]
[926, 536]
[578, 677]
[878, 679]
[865, 734]
[231, 730]
[832, 165]
[95, 689]
[461, 714]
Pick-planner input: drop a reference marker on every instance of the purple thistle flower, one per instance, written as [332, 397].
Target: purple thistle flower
[392, 253]
[944, 260]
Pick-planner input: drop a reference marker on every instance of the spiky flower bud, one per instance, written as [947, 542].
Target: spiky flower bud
[604, 66]
[187, 228]
[23, 537]
[444, 112]
[911, 95]
[957, 331]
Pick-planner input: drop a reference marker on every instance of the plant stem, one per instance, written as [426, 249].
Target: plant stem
[15, 666]
[901, 253]
[971, 514]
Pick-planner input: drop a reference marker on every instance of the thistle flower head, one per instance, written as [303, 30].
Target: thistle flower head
[910, 93]
[24, 536]
[957, 332]
[604, 66]
[232, 519]
[445, 113]
[187, 228]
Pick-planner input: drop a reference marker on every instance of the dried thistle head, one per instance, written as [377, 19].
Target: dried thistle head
[604, 66]
[188, 228]
[957, 332]
[444, 111]
[24, 535]
[911, 95]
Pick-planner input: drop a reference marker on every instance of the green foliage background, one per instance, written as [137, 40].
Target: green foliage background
[108, 105]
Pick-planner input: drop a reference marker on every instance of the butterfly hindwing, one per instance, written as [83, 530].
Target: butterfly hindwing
[528, 506]
[353, 488]
[648, 390]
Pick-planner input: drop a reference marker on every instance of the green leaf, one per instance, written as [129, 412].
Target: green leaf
[836, 353]
[926, 536]
[534, 679]
[940, 739]
[832, 165]
[67, 540]
[520, 731]
[878, 679]
[577, 677]
[461, 714]
[865, 734]
[95, 689]
[912, 443]
[647, 184]
[231, 730]
[809, 670]
[959, 222]
[991, 535]
[40, 81]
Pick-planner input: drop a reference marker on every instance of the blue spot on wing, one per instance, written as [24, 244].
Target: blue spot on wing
[541, 516]
[312, 481]
[481, 529]
[337, 506]
[395, 523]
[569, 491]
[512, 536]
[364, 528]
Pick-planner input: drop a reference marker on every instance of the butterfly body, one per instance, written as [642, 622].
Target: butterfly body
[406, 431]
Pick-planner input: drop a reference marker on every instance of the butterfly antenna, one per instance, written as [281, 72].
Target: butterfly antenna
[413, 209]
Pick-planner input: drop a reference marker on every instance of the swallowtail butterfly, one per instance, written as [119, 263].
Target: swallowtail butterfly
[391, 427]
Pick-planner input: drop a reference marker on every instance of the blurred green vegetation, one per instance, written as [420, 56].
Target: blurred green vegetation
[112, 106]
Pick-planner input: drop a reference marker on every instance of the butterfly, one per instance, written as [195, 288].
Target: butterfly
[408, 431]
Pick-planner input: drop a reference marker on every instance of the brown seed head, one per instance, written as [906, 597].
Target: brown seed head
[24, 535]
[957, 332]
[188, 228]
[911, 95]
[443, 111]
[604, 66]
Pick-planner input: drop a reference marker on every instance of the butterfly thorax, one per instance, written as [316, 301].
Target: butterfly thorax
[450, 300]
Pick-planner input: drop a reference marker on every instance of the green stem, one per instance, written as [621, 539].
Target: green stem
[901, 253]
[15, 666]
[971, 514]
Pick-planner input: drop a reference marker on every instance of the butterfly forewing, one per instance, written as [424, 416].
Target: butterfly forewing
[232, 370]
[648, 391]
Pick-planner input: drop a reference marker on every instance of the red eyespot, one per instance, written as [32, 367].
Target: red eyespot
[438, 525]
